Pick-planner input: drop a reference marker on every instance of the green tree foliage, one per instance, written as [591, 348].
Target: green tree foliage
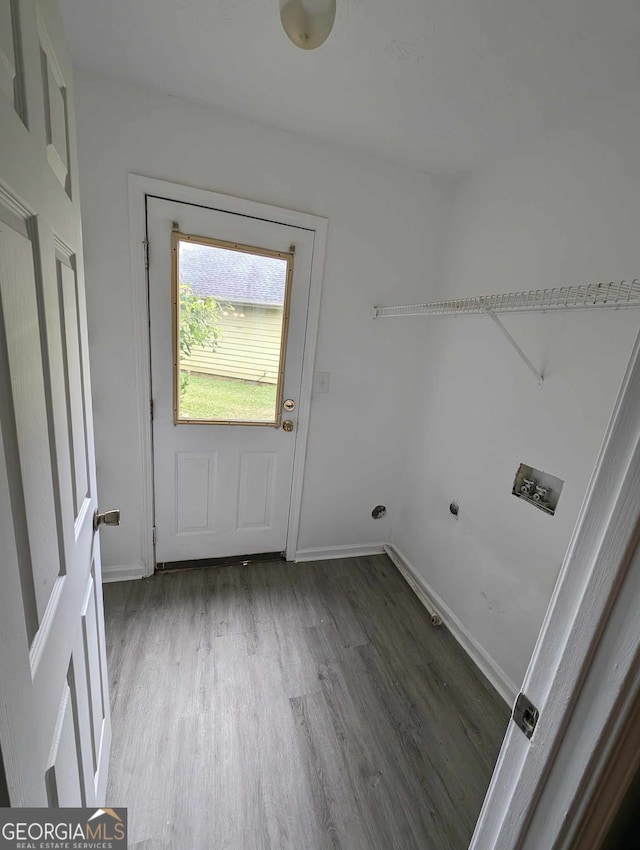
[199, 324]
[199, 320]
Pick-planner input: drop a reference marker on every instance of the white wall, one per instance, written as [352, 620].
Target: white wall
[565, 209]
[386, 227]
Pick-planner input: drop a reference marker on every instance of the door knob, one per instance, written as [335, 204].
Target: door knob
[107, 518]
[287, 425]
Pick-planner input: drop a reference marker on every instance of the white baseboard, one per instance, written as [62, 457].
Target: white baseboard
[328, 552]
[430, 599]
[426, 598]
[129, 572]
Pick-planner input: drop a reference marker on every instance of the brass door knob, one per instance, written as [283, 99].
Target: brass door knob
[287, 425]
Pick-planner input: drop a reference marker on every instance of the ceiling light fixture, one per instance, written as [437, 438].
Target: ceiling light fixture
[308, 22]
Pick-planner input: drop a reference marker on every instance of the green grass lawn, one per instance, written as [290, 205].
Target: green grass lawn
[210, 397]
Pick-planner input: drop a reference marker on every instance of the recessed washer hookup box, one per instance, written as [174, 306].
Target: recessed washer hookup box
[540, 489]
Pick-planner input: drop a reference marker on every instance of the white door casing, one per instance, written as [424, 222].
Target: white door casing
[55, 727]
[221, 490]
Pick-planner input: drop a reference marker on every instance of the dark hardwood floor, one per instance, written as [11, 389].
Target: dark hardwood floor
[300, 706]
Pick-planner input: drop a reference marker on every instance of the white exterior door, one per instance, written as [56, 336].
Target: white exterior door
[223, 461]
[54, 705]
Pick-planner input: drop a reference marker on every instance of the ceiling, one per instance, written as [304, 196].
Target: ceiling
[442, 85]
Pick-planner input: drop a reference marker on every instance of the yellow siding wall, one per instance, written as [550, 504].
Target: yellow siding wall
[249, 346]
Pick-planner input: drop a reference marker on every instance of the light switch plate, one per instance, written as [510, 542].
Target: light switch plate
[321, 382]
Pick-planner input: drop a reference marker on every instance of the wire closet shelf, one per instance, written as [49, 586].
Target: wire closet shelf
[580, 297]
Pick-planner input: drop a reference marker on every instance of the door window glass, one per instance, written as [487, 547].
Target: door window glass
[231, 315]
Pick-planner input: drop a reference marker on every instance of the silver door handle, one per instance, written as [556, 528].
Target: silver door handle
[107, 518]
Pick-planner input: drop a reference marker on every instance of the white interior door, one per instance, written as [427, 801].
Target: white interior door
[223, 461]
[54, 706]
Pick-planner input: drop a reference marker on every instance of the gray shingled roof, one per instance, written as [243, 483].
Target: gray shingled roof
[232, 275]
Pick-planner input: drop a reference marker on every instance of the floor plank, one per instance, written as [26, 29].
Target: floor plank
[281, 705]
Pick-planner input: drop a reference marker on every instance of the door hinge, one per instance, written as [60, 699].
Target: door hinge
[151, 407]
[145, 242]
[525, 715]
[153, 534]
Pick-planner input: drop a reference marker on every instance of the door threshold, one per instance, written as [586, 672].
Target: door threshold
[229, 561]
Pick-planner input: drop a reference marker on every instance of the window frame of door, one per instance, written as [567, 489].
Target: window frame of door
[139, 188]
[176, 238]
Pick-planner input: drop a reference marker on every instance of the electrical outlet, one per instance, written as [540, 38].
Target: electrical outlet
[321, 382]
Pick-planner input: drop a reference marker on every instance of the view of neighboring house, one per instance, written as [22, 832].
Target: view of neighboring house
[250, 289]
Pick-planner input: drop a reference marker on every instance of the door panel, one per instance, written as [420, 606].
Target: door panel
[93, 671]
[73, 385]
[54, 727]
[77, 683]
[195, 491]
[223, 488]
[62, 777]
[10, 74]
[54, 90]
[7, 51]
[27, 386]
[258, 472]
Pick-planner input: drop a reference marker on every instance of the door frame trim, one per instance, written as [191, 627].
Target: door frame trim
[139, 187]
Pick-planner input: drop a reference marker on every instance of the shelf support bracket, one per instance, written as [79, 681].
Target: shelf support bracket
[517, 348]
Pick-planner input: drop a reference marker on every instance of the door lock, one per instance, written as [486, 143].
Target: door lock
[107, 518]
[289, 404]
[287, 425]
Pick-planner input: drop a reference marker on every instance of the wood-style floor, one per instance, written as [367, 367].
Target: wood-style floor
[300, 706]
